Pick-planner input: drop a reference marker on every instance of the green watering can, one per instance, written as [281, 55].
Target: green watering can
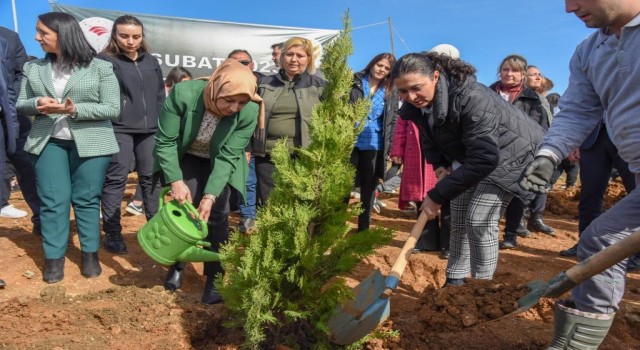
[172, 235]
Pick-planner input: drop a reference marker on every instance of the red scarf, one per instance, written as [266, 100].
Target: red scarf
[512, 91]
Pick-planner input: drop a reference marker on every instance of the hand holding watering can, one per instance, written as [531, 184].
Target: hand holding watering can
[181, 193]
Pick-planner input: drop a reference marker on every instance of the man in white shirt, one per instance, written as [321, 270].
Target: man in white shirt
[603, 84]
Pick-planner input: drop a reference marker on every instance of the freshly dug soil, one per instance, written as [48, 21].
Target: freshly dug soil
[127, 308]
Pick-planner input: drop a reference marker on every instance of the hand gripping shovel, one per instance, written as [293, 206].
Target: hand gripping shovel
[587, 268]
[358, 317]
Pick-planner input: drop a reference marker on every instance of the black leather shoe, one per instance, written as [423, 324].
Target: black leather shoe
[522, 230]
[37, 229]
[173, 280]
[536, 224]
[453, 282]
[246, 225]
[90, 265]
[509, 241]
[634, 263]
[2, 284]
[53, 270]
[114, 243]
[445, 253]
[573, 251]
[210, 295]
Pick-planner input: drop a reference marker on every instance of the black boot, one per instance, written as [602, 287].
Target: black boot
[90, 265]
[509, 241]
[210, 295]
[53, 270]
[114, 243]
[37, 229]
[453, 282]
[574, 329]
[522, 230]
[173, 280]
[573, 251]
[536, 224]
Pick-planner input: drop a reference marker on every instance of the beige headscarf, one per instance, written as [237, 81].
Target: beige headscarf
[232, 78]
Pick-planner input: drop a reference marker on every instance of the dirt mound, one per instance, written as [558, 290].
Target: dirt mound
[111, 319]
[454, 308]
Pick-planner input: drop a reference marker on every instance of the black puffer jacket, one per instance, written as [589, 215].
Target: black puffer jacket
[141, 92]
[389, 119]
[529, 102]
[477, 128]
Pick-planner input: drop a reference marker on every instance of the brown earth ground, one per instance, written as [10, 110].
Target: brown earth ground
[126, 307]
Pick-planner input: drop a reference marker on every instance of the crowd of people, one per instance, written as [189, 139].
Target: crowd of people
[75, 123]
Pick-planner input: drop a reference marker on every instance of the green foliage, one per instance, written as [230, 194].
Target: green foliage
[281, 282]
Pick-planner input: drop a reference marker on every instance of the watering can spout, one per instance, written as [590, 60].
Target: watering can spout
[197, 254]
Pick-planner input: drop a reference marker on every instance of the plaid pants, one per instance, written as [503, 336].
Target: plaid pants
[474, 231]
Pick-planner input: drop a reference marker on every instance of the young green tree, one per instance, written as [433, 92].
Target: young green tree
[280, 283]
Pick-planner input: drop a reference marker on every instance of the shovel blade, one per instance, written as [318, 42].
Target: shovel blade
[358, 314]
[537, 289]
[356, 329]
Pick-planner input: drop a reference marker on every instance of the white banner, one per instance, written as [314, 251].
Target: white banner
[198, 45]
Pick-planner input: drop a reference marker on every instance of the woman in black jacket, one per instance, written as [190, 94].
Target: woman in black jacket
[142, 94]
[482, 140]
[372, 146]
[512, 88]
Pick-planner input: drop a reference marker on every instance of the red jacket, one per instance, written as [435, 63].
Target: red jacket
[418, 176]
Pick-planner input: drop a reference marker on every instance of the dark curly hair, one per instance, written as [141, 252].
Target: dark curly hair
[428, 63]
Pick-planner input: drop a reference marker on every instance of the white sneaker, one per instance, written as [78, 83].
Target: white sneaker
[12, 212]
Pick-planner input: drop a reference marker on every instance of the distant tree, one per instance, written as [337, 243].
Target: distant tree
[282, 282]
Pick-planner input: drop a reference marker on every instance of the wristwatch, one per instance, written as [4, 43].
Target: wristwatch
[210, 196]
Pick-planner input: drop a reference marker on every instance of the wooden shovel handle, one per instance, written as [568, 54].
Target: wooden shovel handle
[407, 249]
[605, 258]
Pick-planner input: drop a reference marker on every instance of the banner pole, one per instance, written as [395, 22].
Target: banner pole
[391, 36]
[15, 16]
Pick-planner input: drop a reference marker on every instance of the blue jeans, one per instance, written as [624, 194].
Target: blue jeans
[248, 209]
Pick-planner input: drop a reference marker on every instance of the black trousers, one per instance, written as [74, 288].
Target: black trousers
[570, 168]
[195, 173]
[365, 164]
[437, 232]
[24, 171]
[596, 163]
[264, 175]
[140, 145]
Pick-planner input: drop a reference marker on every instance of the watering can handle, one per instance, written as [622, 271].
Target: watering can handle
[188, 205]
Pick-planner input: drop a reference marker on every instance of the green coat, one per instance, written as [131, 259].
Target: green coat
[95, 92]
[178, 126]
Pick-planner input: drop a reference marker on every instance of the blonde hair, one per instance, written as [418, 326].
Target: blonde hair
[306, 45]
[516, 62]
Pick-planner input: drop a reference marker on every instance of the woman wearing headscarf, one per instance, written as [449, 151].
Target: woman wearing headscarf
[73, 97]
[486, 142]
[203, 130]
[373, 142]
[513, 89]
[289, 97]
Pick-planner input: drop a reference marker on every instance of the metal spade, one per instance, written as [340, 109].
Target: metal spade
[371, 306]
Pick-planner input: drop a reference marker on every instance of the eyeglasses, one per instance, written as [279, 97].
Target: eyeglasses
[246, 63]
[535, 75]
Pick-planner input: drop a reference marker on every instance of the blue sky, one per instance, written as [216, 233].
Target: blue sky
[485, 31]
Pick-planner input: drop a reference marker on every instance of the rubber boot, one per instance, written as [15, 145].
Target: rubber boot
[509, 241]
[574, 329]
[210, 294]
[114, 243]
[536, 224]
[173, 280]
[90, 265]
[53, 270]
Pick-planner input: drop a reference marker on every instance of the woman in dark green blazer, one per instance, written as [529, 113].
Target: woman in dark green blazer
[73, 97]
[203, 130]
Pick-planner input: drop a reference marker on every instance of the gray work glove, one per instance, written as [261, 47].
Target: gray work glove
[537, 175]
